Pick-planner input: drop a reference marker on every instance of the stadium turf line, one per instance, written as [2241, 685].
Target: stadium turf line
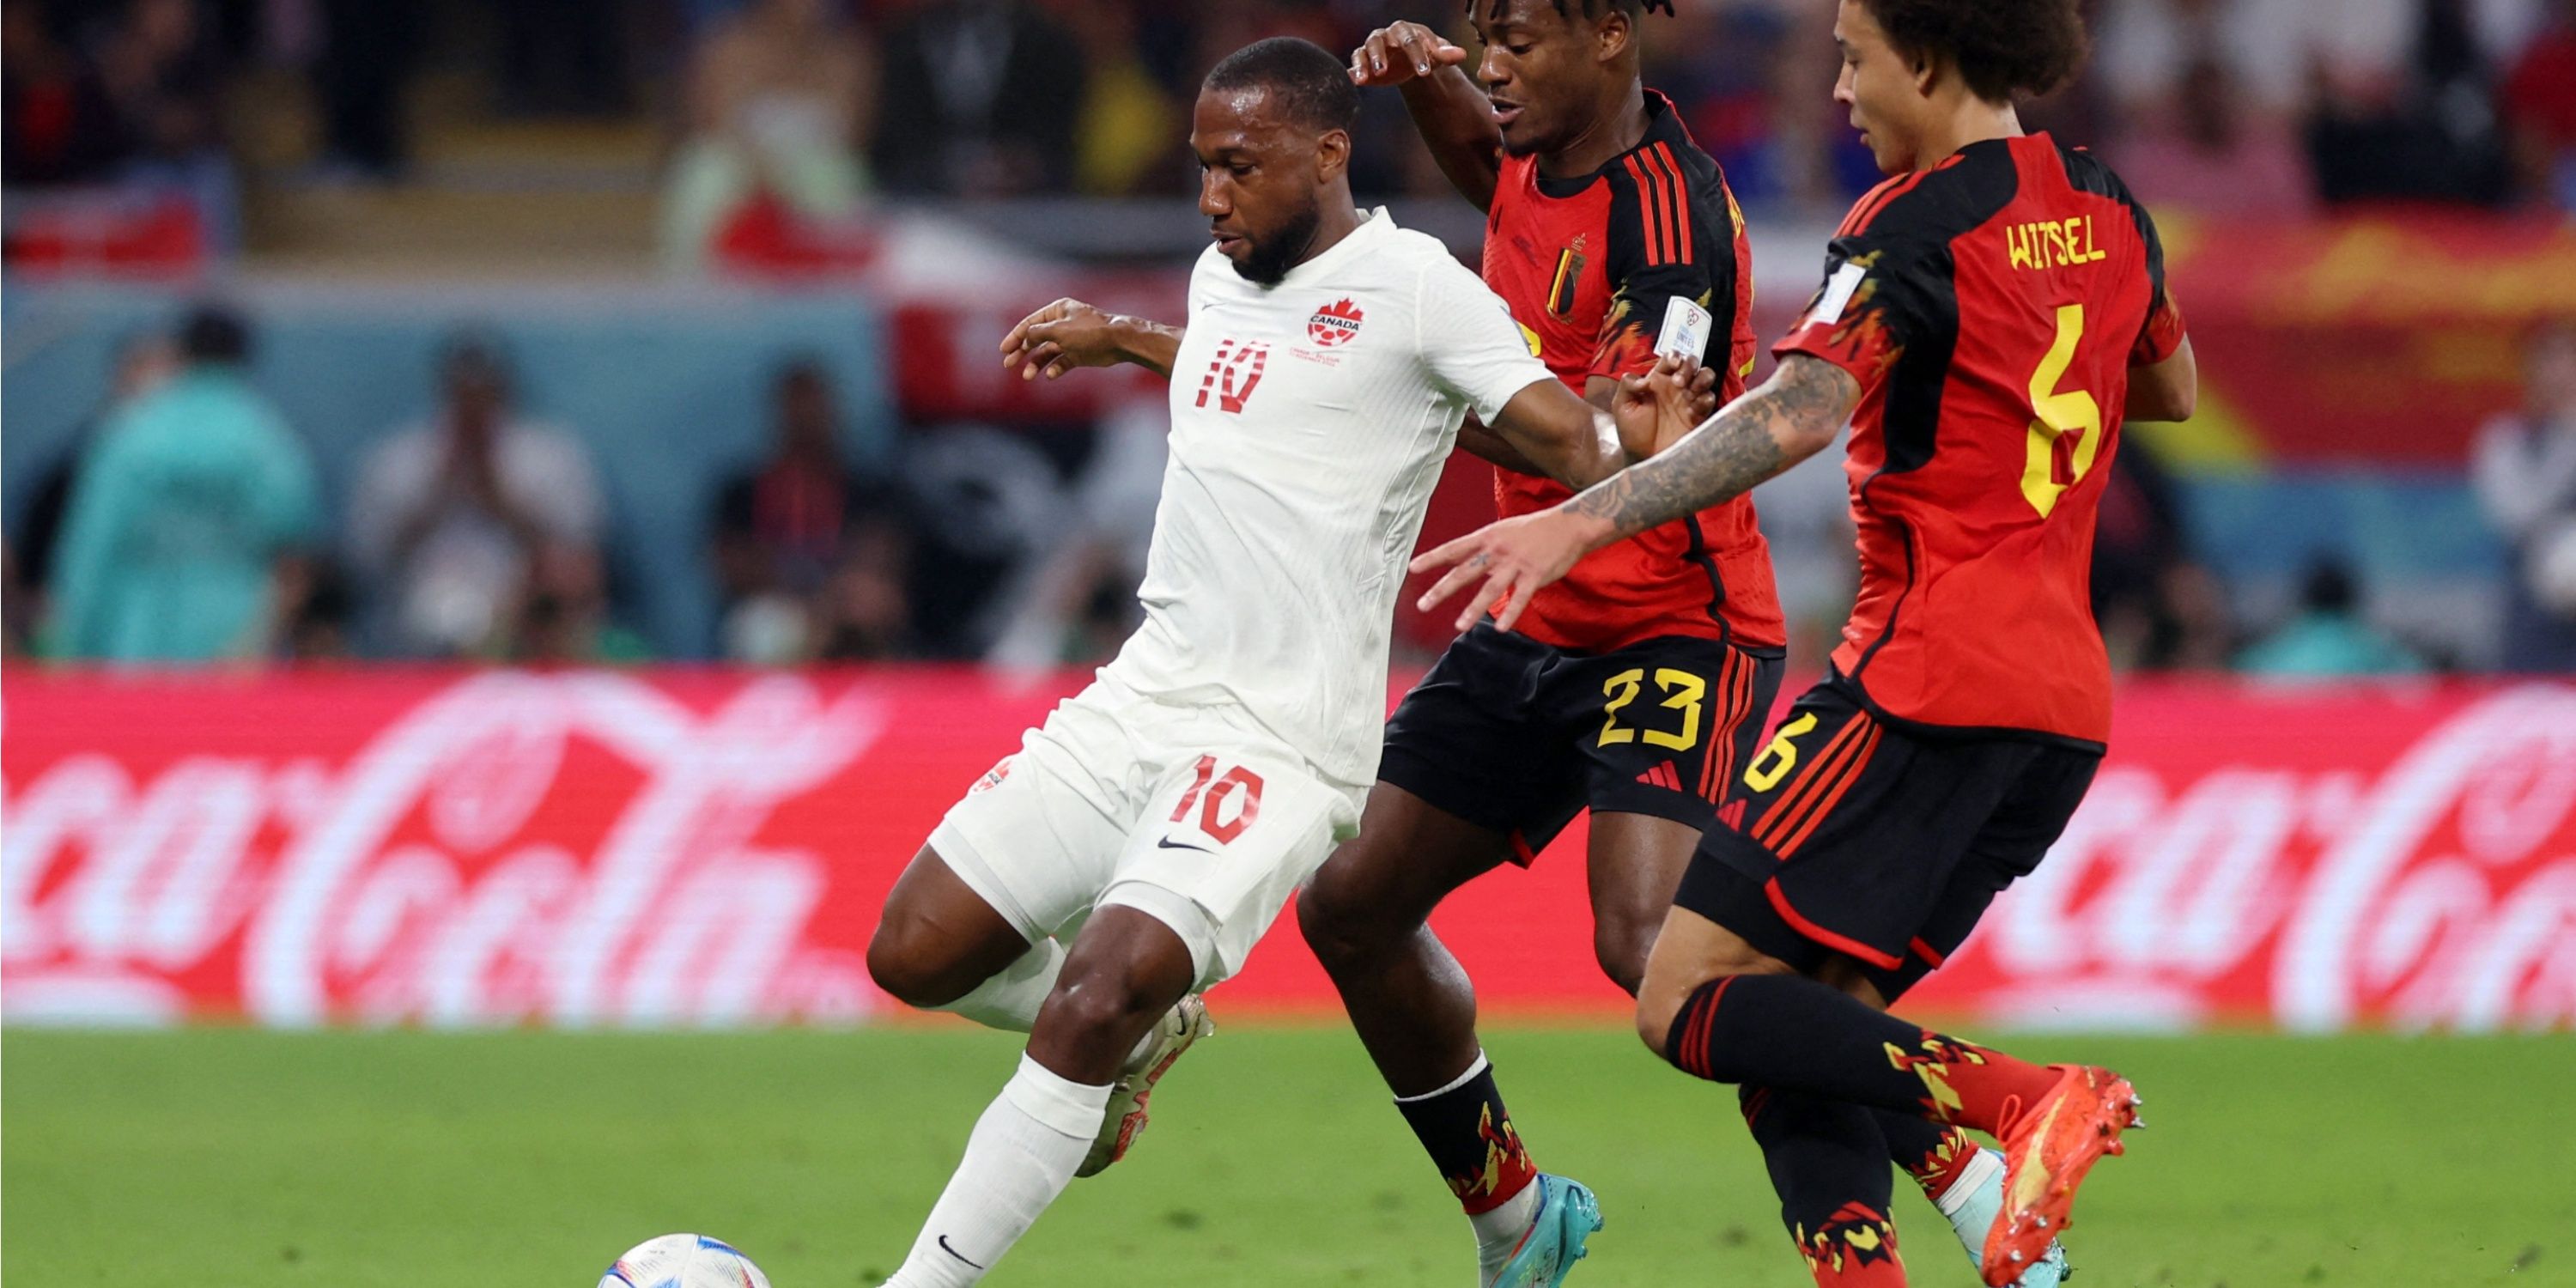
[411, 1160]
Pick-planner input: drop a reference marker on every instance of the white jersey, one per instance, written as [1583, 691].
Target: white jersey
[1309, 423]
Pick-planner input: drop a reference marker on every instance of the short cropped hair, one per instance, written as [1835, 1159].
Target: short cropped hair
[1310, 86]
[2003, 48]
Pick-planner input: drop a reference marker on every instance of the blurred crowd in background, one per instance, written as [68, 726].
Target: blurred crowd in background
[2254, 105]
[186, 524]
[483, 530]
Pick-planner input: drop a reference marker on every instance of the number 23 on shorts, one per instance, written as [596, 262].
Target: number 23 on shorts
[1227, 803]
[1683, 692]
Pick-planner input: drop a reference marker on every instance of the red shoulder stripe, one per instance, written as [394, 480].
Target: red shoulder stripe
[1858, 216]
[1663, 156]
[1877, 201]
[1650, 213]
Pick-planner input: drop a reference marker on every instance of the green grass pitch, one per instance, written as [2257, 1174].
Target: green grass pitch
[411, 1160]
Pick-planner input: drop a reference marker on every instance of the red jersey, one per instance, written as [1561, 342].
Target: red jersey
[1991, 308]
[1587, 265]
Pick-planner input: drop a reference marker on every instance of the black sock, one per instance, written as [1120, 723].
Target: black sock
[1791, 1032]
[1829, 1164]
[1470, 1138]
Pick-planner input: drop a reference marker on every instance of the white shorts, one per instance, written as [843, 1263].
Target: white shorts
[1195, 816]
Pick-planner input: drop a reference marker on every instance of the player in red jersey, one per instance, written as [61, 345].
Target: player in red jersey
[1989, 317]
[1638, 685]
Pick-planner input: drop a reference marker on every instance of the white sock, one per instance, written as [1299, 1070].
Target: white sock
[1499, 1229]
[1020, 1157]
[1011, 998]
[1965, 1185]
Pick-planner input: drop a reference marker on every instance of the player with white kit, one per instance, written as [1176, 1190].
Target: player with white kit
[1139, 843]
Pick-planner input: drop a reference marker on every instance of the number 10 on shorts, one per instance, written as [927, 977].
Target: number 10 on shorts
[1227, 803]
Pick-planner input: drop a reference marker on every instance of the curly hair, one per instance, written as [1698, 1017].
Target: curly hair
[1591, 8]
[2003, 48]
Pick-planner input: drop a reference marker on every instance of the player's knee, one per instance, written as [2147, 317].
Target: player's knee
[1105, 1005]
[1655, 1018]
[905, 965]
[1336, 922]
[1621, 947]
[1665, 994]
[1320, 920]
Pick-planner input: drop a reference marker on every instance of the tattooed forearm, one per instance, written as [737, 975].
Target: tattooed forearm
[1790, 418]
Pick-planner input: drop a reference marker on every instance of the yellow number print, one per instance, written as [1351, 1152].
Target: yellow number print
[1683, 692]
[1622, 689]
[1780, 757]
[2052, 463]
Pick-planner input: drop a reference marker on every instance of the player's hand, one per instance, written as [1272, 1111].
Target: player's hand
[1400, 52]
[1655, 410]
[1514, 557]
[1060, 337]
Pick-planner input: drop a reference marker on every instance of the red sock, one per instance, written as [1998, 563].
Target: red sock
[1854, 1249]
[1972, 1085]
[1940, 1168]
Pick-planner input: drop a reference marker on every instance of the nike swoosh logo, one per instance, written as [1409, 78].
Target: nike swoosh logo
[943, 1247]
[1168, 843]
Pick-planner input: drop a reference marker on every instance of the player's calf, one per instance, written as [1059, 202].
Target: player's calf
[1828, 1162]
[1125, 972]
[1120, 1014]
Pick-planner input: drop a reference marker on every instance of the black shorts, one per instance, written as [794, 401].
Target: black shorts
[1518, 736]
[1847, 834]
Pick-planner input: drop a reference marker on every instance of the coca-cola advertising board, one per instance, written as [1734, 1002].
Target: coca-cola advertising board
[710, 848]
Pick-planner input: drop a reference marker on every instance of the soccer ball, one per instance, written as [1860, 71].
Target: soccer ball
[683, 1261]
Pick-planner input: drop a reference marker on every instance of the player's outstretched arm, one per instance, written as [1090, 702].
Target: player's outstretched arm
[1479, 441]
[1455, 118]
[1069, 334]
[1577, 444]
[1794, 415]
[2168, 391]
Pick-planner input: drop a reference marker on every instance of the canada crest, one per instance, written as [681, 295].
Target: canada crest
[1334, 324]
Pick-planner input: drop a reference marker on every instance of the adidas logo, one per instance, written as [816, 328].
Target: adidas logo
[1663, 776]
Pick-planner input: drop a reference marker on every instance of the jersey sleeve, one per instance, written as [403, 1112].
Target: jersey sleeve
[2163, 333]
[1660, 250]
[1472, 349]
[1882, 293]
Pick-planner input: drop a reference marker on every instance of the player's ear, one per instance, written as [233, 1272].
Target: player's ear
[1927, 72]
[1613, 35]
[1332, 155]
